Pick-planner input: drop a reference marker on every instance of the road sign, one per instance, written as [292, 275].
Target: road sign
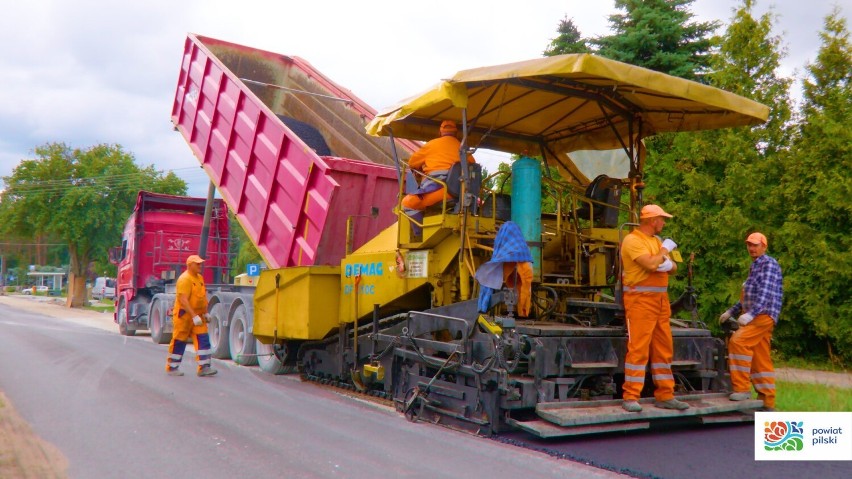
[253, 269]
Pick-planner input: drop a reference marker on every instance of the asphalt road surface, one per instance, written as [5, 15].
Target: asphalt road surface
[688, 452]
[105, 401]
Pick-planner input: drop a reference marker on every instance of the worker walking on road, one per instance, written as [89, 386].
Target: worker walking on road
[645, 276]
[757, 314]
[190, 320]
[434, 160]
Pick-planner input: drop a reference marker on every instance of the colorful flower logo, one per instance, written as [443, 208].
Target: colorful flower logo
[783, 436]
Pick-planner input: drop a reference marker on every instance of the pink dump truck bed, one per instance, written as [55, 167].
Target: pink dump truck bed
[287, 150]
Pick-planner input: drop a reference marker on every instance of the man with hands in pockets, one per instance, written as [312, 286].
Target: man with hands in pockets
[757, 314]
[645, 279]
[190, 320]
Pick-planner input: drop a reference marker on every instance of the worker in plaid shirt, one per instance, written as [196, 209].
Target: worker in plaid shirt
[757, 314]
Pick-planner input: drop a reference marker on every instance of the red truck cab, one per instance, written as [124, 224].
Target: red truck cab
[160, 234]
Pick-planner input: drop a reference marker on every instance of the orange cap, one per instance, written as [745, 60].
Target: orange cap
[652, 211]
[757, 238]
[194, 259]
[448, 126]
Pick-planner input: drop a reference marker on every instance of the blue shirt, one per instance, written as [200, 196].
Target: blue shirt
[509, 246]
[762, 291]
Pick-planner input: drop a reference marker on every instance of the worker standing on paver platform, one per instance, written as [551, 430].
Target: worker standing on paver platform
[757, 313]
[190, 320]
[645, 276]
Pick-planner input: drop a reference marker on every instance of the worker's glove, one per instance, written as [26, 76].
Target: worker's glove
[206, 317]
[724, 317]
[196, 320]
[666, 266]
[745, 319]
[669, 244]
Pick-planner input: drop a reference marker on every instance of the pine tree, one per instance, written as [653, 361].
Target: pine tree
[659, 35]
[569, 40]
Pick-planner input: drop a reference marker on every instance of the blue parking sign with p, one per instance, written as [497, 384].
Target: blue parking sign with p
[253, 269]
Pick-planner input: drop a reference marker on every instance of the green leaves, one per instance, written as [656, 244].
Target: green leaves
[815, 191]
[788, 178]
[82, 196]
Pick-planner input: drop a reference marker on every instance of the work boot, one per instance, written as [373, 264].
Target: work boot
[740, 396]
[174, 372]
[766, 409]
[207, 371]
[631, 406]
[671, 404]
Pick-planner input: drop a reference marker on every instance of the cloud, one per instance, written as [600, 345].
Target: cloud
[99, 71]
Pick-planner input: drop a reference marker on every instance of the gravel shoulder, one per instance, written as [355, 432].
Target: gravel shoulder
[24, 455]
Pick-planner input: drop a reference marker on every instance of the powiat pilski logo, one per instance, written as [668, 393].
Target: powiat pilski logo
[783, 435]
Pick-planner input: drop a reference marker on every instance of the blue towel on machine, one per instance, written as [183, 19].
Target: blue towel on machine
[509, 246]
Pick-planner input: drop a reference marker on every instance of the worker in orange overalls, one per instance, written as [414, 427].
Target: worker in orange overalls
[434, 160]
[510, 263]
[759, 307]
[190, 320]
[645, 277]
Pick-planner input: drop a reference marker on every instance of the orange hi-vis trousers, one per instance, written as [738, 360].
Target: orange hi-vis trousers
[649, 334]
[186, 332]
[424, 200]
[522, 274]
[750, 361]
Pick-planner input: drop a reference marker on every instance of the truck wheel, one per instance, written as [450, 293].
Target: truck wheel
[122, 321]
[219, 346]
[241, 339]
[269, 363]
[157, 320]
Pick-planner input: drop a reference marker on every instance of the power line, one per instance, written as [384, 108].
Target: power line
[33, 244]
[63, 181]
[61, 185]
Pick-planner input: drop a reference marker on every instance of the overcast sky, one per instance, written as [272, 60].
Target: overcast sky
[85, 72]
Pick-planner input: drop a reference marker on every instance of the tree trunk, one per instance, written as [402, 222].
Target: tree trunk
[77, 294]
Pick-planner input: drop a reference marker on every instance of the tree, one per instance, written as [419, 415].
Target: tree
[717, 182]
[82, 196]
[569, 40]
[658, 35]
[243, 250]
[814, 194]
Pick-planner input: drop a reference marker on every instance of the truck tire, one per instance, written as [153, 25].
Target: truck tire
[123, 329]
[240, 338]
[269, 363]
[219, 340]
[156, 320]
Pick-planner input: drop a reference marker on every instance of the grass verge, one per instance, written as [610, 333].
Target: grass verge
[809, 364]
[806, 397]
[100, 306]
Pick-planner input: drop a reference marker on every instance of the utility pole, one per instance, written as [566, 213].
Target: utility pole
[2, 274]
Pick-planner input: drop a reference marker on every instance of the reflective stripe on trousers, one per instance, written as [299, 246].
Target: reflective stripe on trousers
[646, 289]
[649, 336]
[749, 359]
[176, 349]
[203, 354]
